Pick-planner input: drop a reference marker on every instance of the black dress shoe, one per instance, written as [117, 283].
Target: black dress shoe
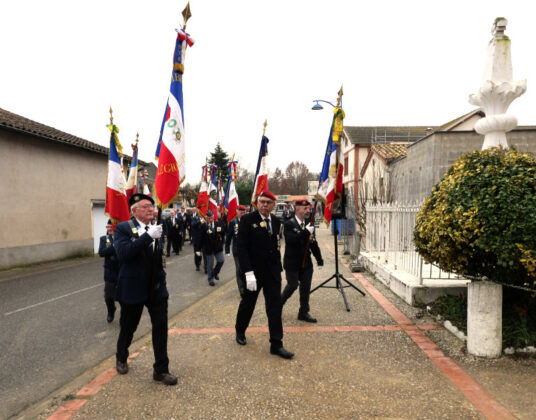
[121, 367]
[110, 317]
[196, 268]
[241, 339]
[306, 318]
[211, 282]
[280, 351]
[165, 378]
[216, 277]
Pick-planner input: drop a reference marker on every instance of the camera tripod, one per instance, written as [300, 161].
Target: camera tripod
[338, 276]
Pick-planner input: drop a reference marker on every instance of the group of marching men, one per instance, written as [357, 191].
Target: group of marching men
[135, 276]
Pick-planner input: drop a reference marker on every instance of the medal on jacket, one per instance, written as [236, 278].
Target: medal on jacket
[262, 224]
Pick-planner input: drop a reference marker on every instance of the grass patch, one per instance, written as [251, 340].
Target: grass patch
[519, 315]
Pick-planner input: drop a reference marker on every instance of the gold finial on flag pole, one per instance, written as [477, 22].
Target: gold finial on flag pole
[339, 98]
[186, 14]
[264, 129]
[111, 115]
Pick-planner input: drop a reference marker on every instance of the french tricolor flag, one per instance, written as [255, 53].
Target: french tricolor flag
[132, 173]
[330, 183]
[231, 197]
[213, 193]
[202, 196]
[116, 200]
[170, 150]
[261, 175]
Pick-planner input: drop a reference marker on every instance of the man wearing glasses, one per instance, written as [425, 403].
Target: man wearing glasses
[134, 242]
[259, 236]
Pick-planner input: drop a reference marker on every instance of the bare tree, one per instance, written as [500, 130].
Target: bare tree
[297, 175]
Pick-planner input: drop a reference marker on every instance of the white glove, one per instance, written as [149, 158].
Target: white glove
[155, 231]
[310, 228]
[198, 253]
[227, 255]
[251, 281]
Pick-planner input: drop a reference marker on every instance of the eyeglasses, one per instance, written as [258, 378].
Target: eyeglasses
[265, 201]
[146, 206]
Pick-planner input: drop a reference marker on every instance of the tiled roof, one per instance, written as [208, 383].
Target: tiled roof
[16, 122]
[379, 135]
[390, 151]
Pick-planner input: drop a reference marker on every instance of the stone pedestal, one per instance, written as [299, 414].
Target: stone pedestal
[484, 319]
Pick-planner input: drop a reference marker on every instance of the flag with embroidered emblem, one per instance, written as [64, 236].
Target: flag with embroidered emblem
[330, 182]
[116, 206]
[221, 198]
[170, 149]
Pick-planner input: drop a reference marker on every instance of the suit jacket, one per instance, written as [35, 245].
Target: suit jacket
[136, 258]
[295, 243]
[212, 240]
[231, 237]
[195, 231]
[111, 264]
[258, 250]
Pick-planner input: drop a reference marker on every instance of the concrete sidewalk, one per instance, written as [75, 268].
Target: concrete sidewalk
[383, 359]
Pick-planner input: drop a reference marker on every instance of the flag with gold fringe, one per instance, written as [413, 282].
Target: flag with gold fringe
[170, 150]
[330, 183]
[116, 206]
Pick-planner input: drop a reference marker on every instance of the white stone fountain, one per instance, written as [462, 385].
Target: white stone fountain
[498, 90]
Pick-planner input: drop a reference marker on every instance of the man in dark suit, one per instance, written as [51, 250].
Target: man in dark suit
[212, 239]
[299, 242]
[195, 232]
[231, 239]
[172, 228]
[259, 235]
[111, 269]
[142, 282]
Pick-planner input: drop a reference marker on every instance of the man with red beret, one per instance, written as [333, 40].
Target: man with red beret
[231, 239]
[259, 235]
[299, 242]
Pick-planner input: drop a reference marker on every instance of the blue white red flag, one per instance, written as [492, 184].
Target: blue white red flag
[202, 196]
[330, 183]
[170, 149]
[213, 192]
[221, 199]
[261, 175]
[116, 200]
[231, 197]
[132, 173]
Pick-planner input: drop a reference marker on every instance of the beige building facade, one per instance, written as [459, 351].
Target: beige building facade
[54, 187]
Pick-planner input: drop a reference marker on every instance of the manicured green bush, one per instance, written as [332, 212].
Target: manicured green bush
[480, 219]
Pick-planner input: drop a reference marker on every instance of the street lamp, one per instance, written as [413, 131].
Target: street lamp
[336, 137]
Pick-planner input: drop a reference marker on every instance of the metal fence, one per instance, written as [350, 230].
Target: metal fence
[389, 239]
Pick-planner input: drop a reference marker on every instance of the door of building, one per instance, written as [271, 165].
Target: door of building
[99, 223]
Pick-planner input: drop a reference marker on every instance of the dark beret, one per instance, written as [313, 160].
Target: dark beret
[136, 198]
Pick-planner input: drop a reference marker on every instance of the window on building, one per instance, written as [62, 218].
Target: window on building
[345, 166]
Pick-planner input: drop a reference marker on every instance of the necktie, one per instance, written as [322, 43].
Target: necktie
[302, 225]
[268, 226]
[146, 228]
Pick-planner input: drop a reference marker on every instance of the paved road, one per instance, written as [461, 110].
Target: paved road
[53, 323]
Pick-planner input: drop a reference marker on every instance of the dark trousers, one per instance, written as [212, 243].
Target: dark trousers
[240, 277]
[302, 277]
[272, 298]
[198, 258]
[172, 241]
[130, 318]
[214, 270]
[109, 293]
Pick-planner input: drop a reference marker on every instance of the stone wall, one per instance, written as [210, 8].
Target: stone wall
[414, 176]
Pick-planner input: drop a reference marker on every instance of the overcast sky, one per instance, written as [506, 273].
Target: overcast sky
[63, 63]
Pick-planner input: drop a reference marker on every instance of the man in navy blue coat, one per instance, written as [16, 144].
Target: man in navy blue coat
[111, 269]
[212, 240]
[142, 282]
[231, 243]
